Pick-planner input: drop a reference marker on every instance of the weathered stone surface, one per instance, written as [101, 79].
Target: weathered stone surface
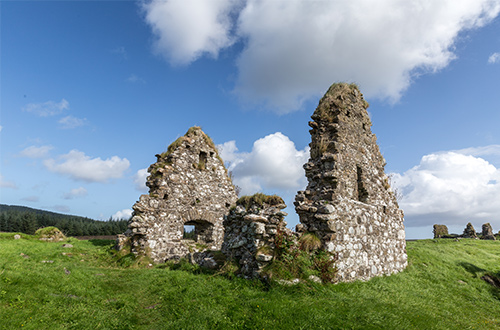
[188, 185]
[348, 202]
[440, 231]
[487, 232]
[250, 232]
[469, 231]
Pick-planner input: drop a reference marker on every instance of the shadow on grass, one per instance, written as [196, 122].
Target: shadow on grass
[473, 269]
[493, 279]
[102, 242]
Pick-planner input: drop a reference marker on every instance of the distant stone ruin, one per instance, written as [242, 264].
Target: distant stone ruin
[348, 202]
[469, 232]
[487, 232]
[188, 185]
[440, 231]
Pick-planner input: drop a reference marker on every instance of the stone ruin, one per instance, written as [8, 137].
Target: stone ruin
[250, 231]
[348, 202]
[469, 231]
[188, 185]
[487, 232]
[441, 231]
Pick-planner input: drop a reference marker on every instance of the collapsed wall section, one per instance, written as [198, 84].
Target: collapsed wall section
[250, 232]
[348, 202]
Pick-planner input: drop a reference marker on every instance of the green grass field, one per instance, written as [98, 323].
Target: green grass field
[84, 287]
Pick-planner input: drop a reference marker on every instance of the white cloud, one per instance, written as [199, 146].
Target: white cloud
[61, 208]
[76, 193]
[33, 199]
[121, 51]
[70, 122]
[1, 128]
[273, 164]
[135, 79]
[494, 58]
[7, 184]
[451, 188]
[123, 214]
[47, 109]
[36, 152]
[140, 179]
[188, 29]
[81, 167]
[293, 50]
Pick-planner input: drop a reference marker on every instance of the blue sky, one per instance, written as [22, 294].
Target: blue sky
[92, 90]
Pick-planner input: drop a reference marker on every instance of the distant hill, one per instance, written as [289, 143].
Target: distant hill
[21, 209]
[15, 218]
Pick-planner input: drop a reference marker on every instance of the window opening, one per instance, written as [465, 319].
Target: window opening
[189, 232]
[362, 192]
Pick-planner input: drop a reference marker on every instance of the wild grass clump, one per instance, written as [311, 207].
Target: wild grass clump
[335, 97]
[259, 199]
[309, 242]
[50, 233]
[301, 259]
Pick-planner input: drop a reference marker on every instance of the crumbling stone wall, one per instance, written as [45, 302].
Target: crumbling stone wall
[348, 202]
[188, 185]
[487, 232]
[250, 232]
[469, 231]
[440, 231]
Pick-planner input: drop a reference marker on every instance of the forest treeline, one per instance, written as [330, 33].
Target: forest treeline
[27, 220]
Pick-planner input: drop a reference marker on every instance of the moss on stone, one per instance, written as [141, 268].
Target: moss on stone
[259, 199]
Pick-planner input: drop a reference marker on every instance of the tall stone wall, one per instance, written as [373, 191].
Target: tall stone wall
[348, 202]
[188, 185]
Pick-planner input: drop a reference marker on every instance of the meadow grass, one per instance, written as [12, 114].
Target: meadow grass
[87, 288]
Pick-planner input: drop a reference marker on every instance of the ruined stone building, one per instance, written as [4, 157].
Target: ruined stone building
[188, 185]
[348, 202]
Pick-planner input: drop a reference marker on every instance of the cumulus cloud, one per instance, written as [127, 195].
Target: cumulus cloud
[121, 51]
[494, 58]
[79, 166]
[36, 152]
[70, 122]
[452, 188]
[7, 184]
[32, 199]
[76, 193]
[140, 179]
[60, 208]
[188, 29]
[273, 164]
[135, 79]
[293, 50]
[47, 109]
[123, 214]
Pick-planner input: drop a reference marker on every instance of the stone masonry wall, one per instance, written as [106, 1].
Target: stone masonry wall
[250, 231]
[348, 202]
[188, 185]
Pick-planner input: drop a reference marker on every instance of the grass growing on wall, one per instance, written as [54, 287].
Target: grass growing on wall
[85, 288]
